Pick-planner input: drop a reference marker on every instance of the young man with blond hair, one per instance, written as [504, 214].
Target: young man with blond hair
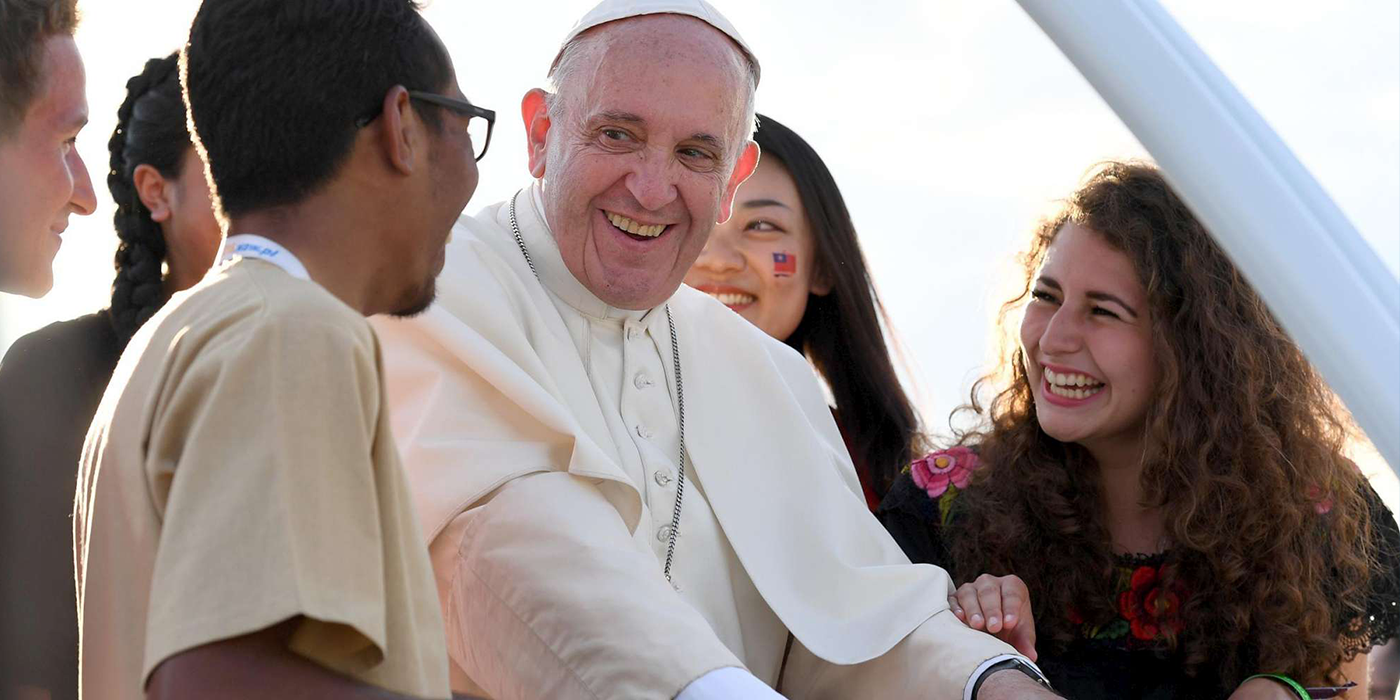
[43, 181]
[43, 106]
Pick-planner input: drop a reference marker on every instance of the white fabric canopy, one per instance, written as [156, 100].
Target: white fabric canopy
[1322, 281]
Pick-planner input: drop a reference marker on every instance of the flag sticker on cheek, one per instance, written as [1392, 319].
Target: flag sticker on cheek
[784, 264]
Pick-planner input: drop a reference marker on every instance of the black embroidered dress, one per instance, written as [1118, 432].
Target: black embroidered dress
[1124, 658]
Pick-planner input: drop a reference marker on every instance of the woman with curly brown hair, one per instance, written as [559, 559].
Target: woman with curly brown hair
[1157, 490]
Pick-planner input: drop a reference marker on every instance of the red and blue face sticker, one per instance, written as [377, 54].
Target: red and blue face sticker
[784, 264]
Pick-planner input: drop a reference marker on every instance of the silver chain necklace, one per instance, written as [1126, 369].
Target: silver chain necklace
[680, 396]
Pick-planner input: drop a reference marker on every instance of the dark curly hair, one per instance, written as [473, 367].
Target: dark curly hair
[1243, 441]
[150, 131]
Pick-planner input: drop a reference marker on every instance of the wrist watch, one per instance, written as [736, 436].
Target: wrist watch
[1011, 664]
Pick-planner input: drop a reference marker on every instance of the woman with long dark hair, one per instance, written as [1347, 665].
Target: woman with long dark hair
[165, 220]
[54, 378]
[1156, 497]
[788, 261]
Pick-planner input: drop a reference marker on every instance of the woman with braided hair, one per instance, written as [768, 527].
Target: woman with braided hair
[169, 239]
[165, 219]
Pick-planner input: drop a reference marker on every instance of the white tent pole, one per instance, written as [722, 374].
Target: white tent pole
[1322, 281]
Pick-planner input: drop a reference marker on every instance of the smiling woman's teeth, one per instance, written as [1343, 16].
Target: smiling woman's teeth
[1069, 385]
[734, 299]
[634, 228]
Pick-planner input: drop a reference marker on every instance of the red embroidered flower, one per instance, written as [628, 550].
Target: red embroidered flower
[1150, 608]
[1072, 614]
[935, 472]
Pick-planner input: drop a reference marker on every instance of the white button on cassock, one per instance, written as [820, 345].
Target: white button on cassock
[641, 381]
[643, 432]
[663, 534]
[662, 477]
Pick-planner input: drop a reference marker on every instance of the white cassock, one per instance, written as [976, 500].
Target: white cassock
[539, 428]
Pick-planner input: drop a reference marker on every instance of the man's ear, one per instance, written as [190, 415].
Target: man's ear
[400, 131]
[154, 191]
[534, 110]
[748, 161]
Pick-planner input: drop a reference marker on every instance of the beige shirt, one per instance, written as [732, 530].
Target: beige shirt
[540, 430]
[240, 472]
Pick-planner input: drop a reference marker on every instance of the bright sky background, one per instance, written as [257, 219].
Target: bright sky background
[951, 125]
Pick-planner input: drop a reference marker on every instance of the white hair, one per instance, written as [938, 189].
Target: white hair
[578, 50]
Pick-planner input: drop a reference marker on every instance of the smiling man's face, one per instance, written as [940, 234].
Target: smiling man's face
[645, 155]
[43, 181]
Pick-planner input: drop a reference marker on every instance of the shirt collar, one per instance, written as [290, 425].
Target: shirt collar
[549, 262]
[247, 245]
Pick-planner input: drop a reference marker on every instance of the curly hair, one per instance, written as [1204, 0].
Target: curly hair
[150, 131]
[1243, 442]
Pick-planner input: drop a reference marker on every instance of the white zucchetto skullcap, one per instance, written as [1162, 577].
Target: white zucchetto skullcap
[614, 10]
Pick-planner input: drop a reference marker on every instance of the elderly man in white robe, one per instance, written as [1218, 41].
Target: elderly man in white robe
[628, 490]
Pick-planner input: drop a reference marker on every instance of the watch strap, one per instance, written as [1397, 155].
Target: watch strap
[1011, 664]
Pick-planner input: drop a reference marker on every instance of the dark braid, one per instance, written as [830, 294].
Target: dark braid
[150, 131]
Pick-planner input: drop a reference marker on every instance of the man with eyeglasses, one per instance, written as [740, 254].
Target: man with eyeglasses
[629, 491]
[243, 527]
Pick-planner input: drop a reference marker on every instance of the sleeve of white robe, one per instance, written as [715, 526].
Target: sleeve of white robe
[932, 663]
[546, 595]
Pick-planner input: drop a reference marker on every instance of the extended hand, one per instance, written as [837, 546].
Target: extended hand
[999, 605]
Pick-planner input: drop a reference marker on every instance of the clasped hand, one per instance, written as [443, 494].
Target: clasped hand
[1001, 606]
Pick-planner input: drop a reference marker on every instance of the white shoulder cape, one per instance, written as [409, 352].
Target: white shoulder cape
[759, 434]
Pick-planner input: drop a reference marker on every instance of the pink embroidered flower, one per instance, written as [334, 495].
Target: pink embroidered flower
[935, 472]
[1323, 506]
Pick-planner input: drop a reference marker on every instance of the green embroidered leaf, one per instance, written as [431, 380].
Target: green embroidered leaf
[945, 505]
[1122, 578]
[1117, 629]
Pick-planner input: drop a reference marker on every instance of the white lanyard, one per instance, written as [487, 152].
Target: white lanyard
[246, 245]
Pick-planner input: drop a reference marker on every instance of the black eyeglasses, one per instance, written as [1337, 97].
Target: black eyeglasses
[480, 121]
[1335, 691]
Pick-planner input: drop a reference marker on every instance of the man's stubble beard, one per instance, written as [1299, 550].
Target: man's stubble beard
[422, 296]
[420, 300]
